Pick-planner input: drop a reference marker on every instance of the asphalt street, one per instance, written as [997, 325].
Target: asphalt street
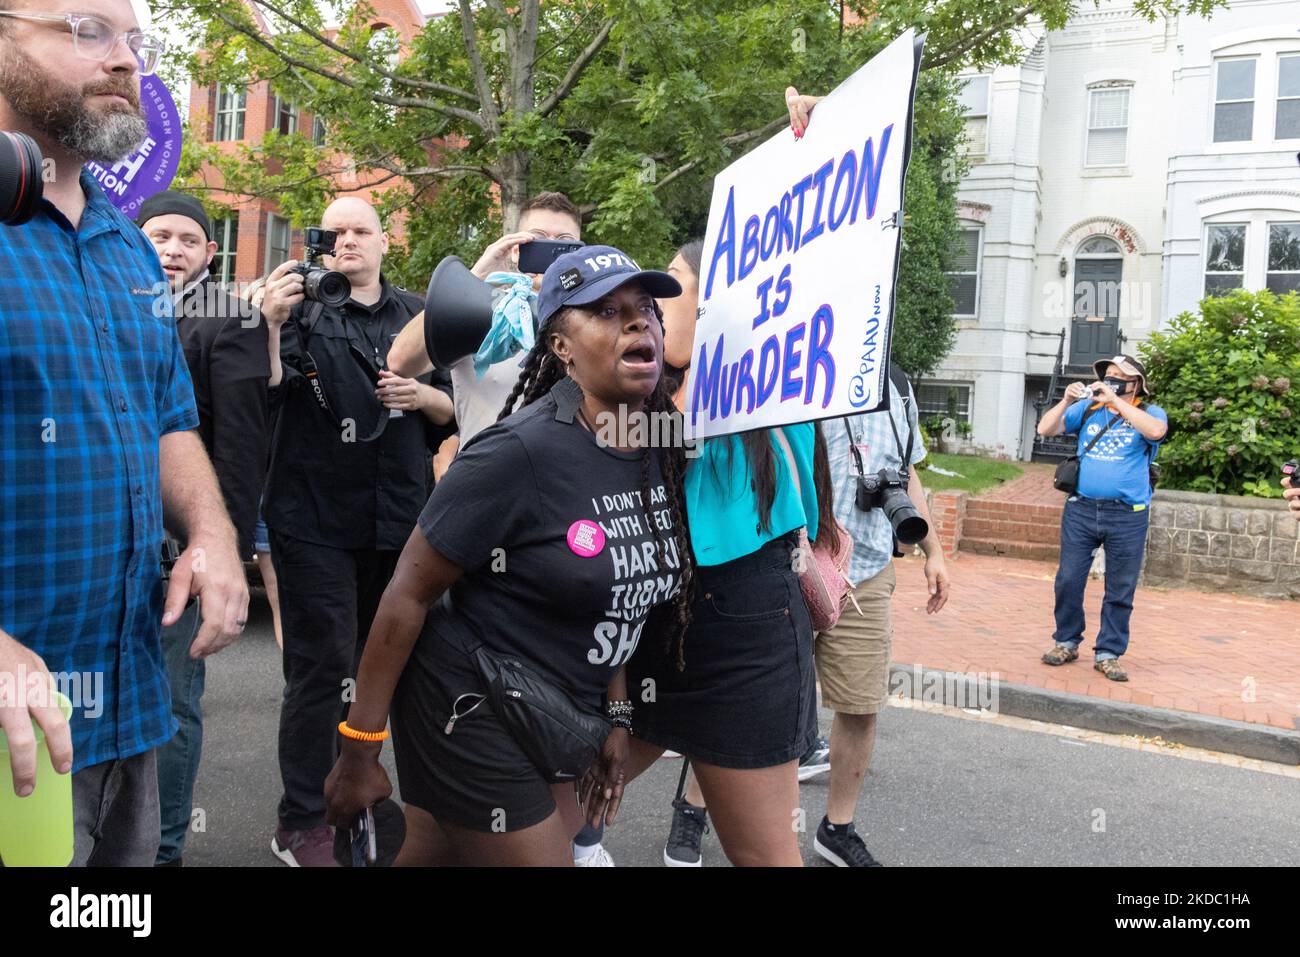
[941, 791]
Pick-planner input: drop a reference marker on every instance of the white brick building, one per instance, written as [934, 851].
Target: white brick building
[1118, 171]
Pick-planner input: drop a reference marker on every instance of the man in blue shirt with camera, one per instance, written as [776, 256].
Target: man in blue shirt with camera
[1119, 434]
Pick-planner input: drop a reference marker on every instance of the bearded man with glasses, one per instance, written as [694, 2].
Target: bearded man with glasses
[96, 441]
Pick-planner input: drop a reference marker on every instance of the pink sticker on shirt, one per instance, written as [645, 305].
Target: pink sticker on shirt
[586, 538]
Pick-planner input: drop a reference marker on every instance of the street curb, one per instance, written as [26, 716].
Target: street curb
[1260, 741]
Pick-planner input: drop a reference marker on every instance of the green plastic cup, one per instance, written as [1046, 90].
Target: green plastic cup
[36, 831]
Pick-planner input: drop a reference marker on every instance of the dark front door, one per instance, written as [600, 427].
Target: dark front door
[1094, 331]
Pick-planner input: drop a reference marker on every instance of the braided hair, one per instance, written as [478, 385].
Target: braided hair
[542, 369]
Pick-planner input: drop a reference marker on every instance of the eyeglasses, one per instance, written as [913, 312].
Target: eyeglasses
[95, 39]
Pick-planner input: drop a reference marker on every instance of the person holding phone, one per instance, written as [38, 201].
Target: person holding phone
[555, 549]
[1119, 434]
[478, 398]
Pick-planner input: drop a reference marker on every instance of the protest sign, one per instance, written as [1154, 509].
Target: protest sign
[800, 258]
[151, 168]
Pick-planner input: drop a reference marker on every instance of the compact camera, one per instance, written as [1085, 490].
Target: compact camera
[319, 284]
[887, 490]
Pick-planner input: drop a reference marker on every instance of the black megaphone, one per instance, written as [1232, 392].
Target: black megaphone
[458, 309]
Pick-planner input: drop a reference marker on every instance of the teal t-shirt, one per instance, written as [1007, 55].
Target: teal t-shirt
[722, 509]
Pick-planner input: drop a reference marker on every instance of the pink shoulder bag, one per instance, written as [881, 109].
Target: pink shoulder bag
[823, 574]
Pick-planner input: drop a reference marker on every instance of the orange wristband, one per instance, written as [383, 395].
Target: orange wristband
[355, 735]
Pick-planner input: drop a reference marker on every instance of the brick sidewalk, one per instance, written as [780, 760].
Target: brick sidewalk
[1034, 487]
[1190, 651]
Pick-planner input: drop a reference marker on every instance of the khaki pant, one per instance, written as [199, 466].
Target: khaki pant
[852, 658]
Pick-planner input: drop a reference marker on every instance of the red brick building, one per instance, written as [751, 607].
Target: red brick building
[257, 238]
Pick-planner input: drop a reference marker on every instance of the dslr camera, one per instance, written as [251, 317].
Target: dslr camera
[319, 284]
[887, 490]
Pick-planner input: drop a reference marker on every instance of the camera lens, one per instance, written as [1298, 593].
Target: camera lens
[335, 289]
[20, 178]
[909, 526]
[327, 287]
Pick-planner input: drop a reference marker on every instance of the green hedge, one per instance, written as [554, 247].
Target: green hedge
[1229, 378]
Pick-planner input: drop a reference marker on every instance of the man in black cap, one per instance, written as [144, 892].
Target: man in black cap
[225, 345]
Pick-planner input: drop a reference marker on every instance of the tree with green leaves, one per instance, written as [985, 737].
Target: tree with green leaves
[628, 106]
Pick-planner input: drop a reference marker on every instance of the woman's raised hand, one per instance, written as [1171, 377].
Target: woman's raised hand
[801, 107]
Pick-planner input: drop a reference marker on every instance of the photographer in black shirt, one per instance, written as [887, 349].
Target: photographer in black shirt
[345, 488]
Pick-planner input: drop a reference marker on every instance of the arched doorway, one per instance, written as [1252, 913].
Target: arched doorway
[1094, 328]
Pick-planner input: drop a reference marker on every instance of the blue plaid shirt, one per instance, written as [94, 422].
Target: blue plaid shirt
[91, 376]
[873, 538]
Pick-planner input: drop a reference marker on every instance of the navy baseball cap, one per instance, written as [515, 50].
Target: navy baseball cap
[588, 274]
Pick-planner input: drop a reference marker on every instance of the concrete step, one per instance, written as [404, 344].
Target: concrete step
[1034, 551]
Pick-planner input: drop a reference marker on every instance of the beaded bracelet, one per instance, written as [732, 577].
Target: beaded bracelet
[622, 721]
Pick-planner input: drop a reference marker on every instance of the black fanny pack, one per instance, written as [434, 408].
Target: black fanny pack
[1067, 473]
[561, 738]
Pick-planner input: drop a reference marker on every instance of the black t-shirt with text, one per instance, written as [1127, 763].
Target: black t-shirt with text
[561, 563]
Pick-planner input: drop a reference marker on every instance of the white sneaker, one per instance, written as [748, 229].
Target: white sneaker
[597, 858]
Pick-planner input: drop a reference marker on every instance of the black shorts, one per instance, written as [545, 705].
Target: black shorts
[748, 696]
[477, 777]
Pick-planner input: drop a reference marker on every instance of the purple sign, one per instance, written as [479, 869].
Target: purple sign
[149, 169]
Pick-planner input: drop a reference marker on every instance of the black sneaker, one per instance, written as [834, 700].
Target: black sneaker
[689, 824]
[842, 847]
[816, 761]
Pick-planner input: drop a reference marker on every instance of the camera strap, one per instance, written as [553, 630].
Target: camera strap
[907, 455]
[1096, 438]
[311, 371]
[853, 447]
[904, 392]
